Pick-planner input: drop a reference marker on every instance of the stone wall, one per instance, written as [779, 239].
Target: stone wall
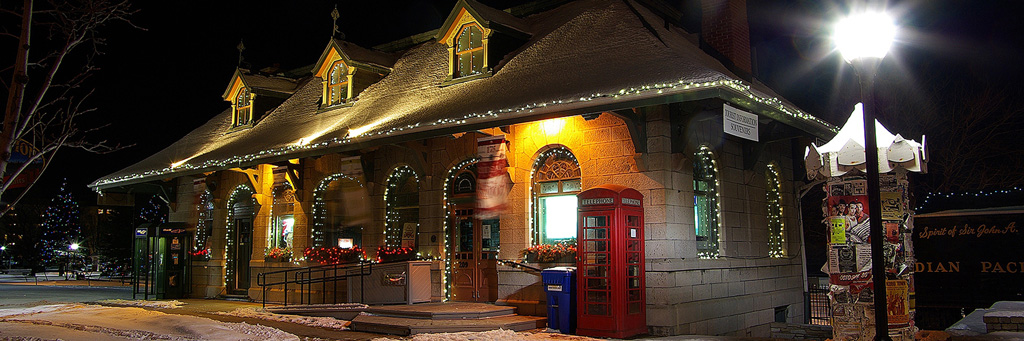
[800, 331]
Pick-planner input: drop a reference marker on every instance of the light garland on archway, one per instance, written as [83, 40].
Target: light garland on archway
[446, 281]
[229, 254]
[392, 232]
[707, 160]
[319, 207]
[776, 225]
[541, 159]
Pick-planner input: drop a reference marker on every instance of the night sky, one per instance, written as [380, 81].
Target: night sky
[157, 85]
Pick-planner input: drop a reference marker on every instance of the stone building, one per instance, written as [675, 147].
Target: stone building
[376, 148]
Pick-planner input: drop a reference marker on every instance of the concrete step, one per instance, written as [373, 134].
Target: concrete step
[343, 311]
[366, 322]
[443, 311]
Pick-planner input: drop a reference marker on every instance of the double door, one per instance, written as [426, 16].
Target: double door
[474, 256]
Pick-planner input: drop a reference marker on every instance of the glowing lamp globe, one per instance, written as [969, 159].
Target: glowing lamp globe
[73, 246]
[864, 35]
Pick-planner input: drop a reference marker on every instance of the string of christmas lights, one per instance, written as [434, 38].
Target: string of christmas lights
[706, 168]
[446, 280]
[320, 206]
[61, 227]
[239, 193]
[681, 86]
[392, 218]
[977, 194]
[205, 209]
[776, 226]
[558, 152]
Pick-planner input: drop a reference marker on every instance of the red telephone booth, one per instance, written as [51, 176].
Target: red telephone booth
[610, 296]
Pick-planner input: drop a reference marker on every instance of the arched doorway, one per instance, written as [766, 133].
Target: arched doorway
[474, 242]
[241, 210]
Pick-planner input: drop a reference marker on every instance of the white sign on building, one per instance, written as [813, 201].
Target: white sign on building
[739, 123]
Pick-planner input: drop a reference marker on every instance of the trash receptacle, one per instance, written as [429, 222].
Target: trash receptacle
[560, 285]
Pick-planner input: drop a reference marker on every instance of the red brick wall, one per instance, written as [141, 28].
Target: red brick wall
[724, 27]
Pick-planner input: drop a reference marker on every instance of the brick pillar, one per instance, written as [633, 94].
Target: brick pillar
[724, 27]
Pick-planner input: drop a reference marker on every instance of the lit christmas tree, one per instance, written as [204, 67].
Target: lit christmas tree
[154, 211]
[61, 227]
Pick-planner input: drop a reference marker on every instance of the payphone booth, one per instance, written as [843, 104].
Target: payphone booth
[160, 261]
[610, 296]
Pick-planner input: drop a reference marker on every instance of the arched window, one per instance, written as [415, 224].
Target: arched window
[402, 205]
[337, 83]
[338, 212]
[705, 202]
[243, 108]
[556, 181]
[776, 228]
[204, 225]
[283, 226]
[469, 51]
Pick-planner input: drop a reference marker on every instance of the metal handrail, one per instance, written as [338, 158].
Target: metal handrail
[303, 277]
[514, 263]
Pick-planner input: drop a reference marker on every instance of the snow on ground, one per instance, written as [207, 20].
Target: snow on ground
[313, 321]
[94, 322]
[145, 304]
[494, 335]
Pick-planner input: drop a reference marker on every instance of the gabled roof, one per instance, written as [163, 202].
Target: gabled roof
[259, 83]
[587, 56]
[356, 55]
[487, 17]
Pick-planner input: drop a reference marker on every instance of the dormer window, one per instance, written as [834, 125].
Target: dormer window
[478, 40]
[469, 51]
[337, 83]
[344, 77]
[243, 108]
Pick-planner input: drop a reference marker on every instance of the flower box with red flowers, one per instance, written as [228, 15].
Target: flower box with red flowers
[334, 255]
[277, 254]
[562, 252]
[394, 254]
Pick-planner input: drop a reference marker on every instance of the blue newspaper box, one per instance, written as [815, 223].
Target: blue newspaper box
[560, 285]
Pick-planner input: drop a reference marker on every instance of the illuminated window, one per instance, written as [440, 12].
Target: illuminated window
[283, 227]
[776, 228]
[402, 208]
[556, 181]
[469, 51]
[705, 203]
[243, 108]
[337, 83]
[335, 218]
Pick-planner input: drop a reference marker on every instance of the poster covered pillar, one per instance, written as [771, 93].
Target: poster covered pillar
[841, 163]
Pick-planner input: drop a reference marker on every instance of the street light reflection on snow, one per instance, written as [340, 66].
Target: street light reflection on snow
[864, 35]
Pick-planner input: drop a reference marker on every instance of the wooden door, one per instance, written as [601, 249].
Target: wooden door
[474, 256]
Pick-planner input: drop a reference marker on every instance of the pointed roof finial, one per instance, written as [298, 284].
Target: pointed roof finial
[336, 32]
[241, 47]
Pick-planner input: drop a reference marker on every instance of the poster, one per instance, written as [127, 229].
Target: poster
[492, 181]
[892, 205]
[409, 235]
[838, 227]
[853, 210]
[897, 301]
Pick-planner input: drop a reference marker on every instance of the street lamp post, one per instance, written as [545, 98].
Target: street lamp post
[864, 39]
